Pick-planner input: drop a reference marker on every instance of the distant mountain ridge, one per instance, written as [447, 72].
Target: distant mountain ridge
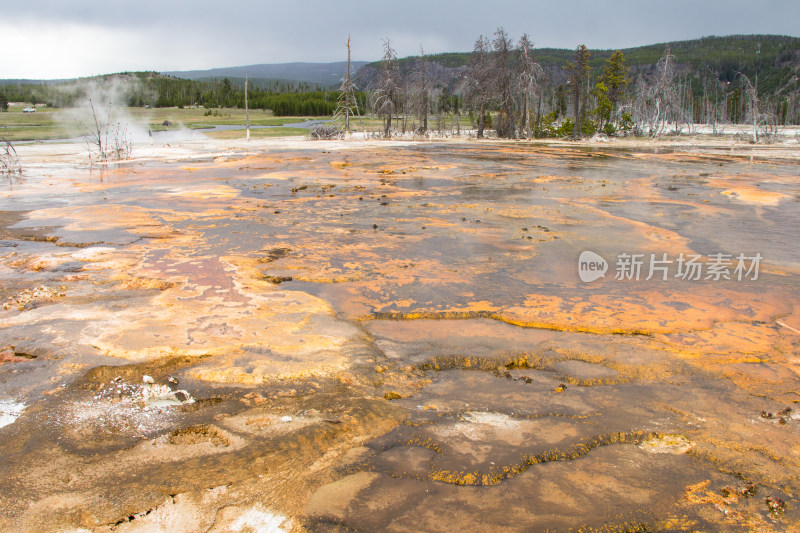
[326, 74]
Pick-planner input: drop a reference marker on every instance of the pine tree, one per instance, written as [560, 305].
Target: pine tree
[604, 108]
[615, 78]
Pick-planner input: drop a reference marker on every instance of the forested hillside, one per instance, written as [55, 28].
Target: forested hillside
[137, 89]
[325, 74]
[510, 87]
[775, 59]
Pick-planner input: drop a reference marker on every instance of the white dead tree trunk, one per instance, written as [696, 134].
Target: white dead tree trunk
[763, 114]
[420, 92]
[751, 95]
[666, 93]
[347, 89]
[95, 137]
[657, 99]
[388, 93]
[710, 115]
[347, 104]
[502, 47]
[529, 73]
[754, 109]
[479, 90]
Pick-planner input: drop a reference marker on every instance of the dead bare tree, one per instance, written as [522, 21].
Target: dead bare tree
[421, 91]
[347, 104]
[751, 99]
[666, 94]
[657, 98]
[578, 75]
[530, 72]
[103, 150]
[762, 114]
[348, 88]
[478, 90]
[710, 113]
[502, 71]
[9, 160]
[771, 125]
[388, 94]
[97, 137]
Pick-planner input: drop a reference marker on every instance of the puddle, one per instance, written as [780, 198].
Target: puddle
[9, 412]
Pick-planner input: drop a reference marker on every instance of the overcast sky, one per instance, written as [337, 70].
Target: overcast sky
[60, 39]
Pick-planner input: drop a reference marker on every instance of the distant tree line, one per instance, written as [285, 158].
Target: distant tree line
[156, 90]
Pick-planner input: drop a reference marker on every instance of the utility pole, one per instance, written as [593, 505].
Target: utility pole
[246, 109]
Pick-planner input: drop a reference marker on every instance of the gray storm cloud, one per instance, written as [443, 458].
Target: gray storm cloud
[85, 38]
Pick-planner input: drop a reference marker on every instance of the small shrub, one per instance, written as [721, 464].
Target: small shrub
[626, 123]
[325, 132]
[609, 129]
[588, 127]
[565, 129]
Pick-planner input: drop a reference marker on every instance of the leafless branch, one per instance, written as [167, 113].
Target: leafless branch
[100, 150]
[9, 160]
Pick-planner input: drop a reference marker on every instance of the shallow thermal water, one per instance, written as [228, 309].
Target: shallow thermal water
[398, 337]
